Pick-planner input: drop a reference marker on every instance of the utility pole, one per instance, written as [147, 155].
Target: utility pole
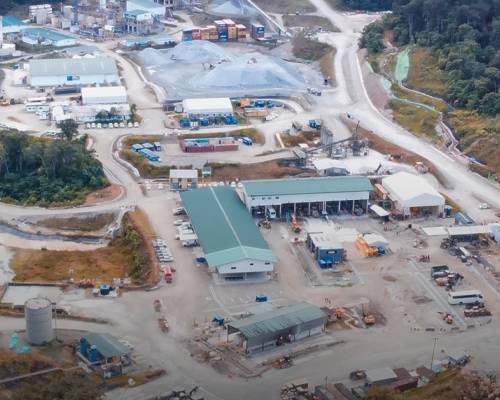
[54, 305]
[433, 351]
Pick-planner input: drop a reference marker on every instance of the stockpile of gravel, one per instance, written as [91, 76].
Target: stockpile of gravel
[231, 8]
[250, 71]
[198, 51]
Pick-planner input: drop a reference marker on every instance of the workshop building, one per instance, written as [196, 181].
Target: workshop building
[104, 353]
[326, 250]
[273, 328]
[412, 195]
[46, 37]
[210, 107]
[308, 196]
[183, 179]
[233, 245]
[73, 71]
[104, 95]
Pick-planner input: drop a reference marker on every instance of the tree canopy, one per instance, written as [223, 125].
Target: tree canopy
[44, 171]
[369, 5]
[465, 36]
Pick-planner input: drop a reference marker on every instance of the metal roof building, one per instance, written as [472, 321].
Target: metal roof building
[412, 194]
[208, 107]
[305, 195]
[290, 323]
[104, 95]
[12, 24]
[47, 37]
[73, 71]
[147, 6]
[232, 243]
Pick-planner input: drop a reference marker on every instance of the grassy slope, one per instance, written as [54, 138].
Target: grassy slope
[309, 21]
[479, 136]
[418, 120]
[113, 261]
[89, 224]
[307, 49]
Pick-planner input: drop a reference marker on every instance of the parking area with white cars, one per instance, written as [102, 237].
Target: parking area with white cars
[99, 125]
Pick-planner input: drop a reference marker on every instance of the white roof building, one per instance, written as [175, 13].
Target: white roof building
[409, 191]
[209, 106]
[104, 95]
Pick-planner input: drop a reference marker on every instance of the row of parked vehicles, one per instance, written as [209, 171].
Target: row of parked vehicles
[165, 257]
[99, 125]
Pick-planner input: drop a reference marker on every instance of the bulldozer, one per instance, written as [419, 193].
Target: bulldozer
[296, 228]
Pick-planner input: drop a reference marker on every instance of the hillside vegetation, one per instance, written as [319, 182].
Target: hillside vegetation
[45, 172]
[458, 58]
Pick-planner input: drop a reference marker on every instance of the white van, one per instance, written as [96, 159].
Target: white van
[271, 213]
[465, 297]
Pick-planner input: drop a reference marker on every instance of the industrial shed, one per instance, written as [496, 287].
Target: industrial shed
[287, 324]
[46, 37]
[212, 107]
[104, 95]
[308, 196]
[73, 71]
[183, 179]
[232, 243]
[412, 195]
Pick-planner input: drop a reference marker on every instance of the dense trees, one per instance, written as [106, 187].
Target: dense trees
[7, 5]
[369, 5]
[43, 171]
[465, 36]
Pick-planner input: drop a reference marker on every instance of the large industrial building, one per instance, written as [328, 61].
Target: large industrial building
[232, 243]
[212, 107]
[152, 7]
[11, 24]
[283, 325]
[307, 196]
[412, 195]
[104, 95]
[71, 72]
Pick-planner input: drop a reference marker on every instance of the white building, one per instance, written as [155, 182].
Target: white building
[104, 95]
[210, 107]
[146, 5]
[71, 72]
[413, 195]
[47, 37]
[233, 245]
[306, 196]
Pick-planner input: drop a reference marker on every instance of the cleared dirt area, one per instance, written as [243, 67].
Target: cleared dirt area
[309, 49]
[129, 255]
[109, 193]
[286, 6]
[309, 22]
[263, 170]
[89, 224]
[301, 137]
[397, 153]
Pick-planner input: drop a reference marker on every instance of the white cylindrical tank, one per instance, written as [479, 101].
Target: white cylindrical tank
[38, 314]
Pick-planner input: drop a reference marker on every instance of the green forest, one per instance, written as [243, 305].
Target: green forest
[368, 5]
[464, 35]
[7, 5]
[38, 171]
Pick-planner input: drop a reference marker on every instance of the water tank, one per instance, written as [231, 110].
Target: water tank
[38, 314]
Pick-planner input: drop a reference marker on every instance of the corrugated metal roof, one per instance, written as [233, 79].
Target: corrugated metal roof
[408, 187]
[291, 186]
[73, 66]
[468, 230]
[43, 33]
[278, 320]
[183, 173]
[225, 229]
[107, 345]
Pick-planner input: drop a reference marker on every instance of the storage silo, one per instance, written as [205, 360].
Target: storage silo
[38, 314]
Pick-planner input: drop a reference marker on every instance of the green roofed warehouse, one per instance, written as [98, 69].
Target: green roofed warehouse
[232, 243]
[279, 198]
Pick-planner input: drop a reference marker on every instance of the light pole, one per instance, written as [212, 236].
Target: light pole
[433, 351]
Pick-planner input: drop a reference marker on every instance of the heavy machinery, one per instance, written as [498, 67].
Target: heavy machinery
[163, 324]
[296, 228]
[284, 362]
[368, 317]
[447, 317]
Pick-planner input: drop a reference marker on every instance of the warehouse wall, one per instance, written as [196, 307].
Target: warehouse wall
[275, 200]
[56, 80]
